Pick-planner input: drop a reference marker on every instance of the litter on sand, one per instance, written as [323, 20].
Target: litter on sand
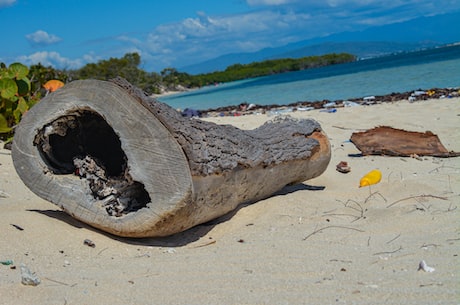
[28, 278]
[423, 266]
[7, 262]
[372, 177]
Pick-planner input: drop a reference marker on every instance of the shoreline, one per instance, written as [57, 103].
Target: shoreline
[412, 96]
[245, 108]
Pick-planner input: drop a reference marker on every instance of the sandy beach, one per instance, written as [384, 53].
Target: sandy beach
[303, 245]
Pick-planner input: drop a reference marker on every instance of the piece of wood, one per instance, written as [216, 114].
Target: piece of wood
[385, 140]
[122, 162]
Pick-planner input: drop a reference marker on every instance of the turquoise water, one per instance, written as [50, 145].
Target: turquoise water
[379, 76]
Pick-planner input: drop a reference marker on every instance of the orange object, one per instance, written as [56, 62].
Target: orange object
[53, 85]
[370, 178]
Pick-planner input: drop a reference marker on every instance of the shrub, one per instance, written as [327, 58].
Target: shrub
[15, 97]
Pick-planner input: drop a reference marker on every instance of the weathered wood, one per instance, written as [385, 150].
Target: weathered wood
[114, 158]
[385, 140]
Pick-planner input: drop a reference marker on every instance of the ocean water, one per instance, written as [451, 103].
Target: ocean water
[422, 70]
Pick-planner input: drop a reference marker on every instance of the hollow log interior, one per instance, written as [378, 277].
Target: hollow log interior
[83, 144]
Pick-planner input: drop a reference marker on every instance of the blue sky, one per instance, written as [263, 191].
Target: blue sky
[67, 34]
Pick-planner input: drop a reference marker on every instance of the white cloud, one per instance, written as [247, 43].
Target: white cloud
[5, 3]
[53, 59]
[215, 32]
[42, 38]
[202, 37]
[280, 22]
[273, 23]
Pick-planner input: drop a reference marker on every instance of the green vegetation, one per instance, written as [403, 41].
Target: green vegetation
[268, 67]
[39, 75]
[16, 98]
[21, 87]
[170, 79]
[126, 67]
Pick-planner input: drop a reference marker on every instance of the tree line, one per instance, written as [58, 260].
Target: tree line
[269, 67]
[172, 79]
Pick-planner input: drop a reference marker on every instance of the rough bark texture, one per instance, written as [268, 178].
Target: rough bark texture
[125, 163]
[384, 140]
[212, 149]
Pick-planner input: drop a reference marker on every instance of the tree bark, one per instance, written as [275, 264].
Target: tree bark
[123, 162]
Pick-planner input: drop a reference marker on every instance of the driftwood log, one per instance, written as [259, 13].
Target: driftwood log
[123, 162]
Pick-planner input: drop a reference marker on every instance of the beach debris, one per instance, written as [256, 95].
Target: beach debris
[4, 194]
[349, 104]
[343, 167]
[369, 100]
[190, 113]
[206, 244]
[330, 227]
[419, 92]
[179, 176]
[305, 108]
[329, 110]
[385, 140]
[170, 251]
[423, 266]
[435, 93]
[7, 262]
[372, 177]
[329, 105]
[418, 197]
[28, 278]
[89, 243]
[53, 85]
[280, 111]
[18, 227]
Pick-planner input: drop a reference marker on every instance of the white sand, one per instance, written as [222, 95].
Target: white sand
[335, 246]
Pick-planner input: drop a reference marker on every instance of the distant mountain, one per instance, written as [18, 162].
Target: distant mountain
[419, 33]
[361, 49]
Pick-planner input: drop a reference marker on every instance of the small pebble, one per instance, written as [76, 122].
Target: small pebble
[89, 243]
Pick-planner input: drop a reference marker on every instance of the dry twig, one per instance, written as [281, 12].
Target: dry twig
[330, 227]
[390, 241]
[205, 244]
[348, 128]
[58, 282]
[442, 166]
[416, 197]
[389, 252]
